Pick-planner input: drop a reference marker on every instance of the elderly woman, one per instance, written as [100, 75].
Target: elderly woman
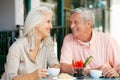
[30, 55]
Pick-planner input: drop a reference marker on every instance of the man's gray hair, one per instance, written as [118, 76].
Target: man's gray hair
[86, 13]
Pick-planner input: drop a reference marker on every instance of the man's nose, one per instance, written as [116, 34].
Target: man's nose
[72, 25]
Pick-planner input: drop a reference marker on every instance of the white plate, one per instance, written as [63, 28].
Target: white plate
[56, 78]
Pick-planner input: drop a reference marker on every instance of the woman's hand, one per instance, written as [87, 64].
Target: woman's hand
[40, 73]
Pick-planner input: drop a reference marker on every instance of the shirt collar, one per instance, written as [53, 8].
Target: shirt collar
[91, 42]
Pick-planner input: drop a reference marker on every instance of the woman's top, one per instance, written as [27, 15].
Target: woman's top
[20, 63]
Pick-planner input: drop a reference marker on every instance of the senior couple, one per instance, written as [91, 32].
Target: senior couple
[30, 56]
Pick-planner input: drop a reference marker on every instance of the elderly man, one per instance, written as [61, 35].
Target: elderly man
[84, 42]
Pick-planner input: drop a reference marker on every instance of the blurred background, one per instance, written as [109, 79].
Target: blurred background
[14, 12]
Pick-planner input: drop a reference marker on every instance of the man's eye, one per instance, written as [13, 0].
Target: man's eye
[76, 22]
[70, 22]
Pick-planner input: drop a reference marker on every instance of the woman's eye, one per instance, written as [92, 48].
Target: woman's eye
[48, 21]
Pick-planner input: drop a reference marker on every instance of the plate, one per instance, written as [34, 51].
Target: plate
[56, 78]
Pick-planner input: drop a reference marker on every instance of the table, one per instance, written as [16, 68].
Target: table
[89, 78]
[86, 78]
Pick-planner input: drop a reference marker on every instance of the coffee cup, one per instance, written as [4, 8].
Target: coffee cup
[53, 71]
[95, 73]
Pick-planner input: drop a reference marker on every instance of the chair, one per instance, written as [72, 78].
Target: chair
[2, 62]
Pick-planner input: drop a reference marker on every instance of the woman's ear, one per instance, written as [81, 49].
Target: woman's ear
[36, 29]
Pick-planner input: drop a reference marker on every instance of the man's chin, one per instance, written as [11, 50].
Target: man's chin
[74, 35]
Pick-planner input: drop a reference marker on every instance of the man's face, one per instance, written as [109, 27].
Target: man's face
[78, 25]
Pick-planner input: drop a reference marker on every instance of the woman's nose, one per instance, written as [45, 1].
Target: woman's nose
[51, 26]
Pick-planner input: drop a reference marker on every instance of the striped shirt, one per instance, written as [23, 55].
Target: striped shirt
[102, 47]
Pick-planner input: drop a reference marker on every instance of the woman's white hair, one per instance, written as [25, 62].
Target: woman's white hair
[86, 13]
[34, 17]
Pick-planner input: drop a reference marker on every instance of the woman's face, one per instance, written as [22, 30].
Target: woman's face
[43, 29]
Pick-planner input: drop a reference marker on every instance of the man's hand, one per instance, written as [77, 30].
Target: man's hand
[109, 72]
[67, 68]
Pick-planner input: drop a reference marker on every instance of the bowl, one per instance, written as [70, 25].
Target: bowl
[53, 71]
[95, 73]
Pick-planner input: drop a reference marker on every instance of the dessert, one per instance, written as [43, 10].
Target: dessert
[65, 76]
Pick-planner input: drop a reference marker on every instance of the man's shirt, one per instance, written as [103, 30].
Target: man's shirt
[102, 47]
